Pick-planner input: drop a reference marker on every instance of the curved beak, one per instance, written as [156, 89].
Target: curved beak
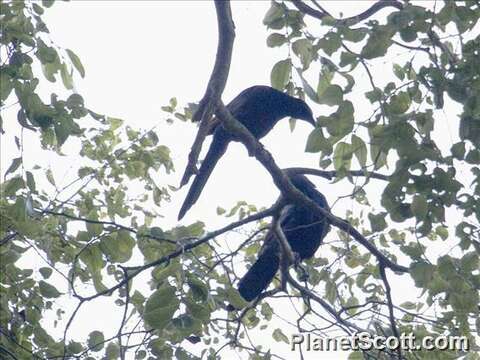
[311, 120]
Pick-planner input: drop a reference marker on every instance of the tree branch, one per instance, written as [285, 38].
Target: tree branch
[330, 174]
[300, 5]
[216, 84]
[282, 181]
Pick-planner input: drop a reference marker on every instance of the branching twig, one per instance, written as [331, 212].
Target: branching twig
[218, 79]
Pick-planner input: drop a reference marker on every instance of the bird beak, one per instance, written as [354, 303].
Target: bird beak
[311, 120]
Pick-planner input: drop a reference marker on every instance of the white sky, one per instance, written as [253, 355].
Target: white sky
[138, 55]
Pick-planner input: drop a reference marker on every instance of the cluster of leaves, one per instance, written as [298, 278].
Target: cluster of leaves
[403, 130]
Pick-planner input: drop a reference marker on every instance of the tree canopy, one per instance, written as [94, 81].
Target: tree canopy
[413, 173]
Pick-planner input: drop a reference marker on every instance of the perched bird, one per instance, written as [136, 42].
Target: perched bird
[303, 230]
[258, 108]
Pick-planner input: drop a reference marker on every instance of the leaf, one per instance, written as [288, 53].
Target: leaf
[14, 165]
[278, 335]
[11, 186]
[76, 62]
[398, 71]
[303, 49]
[342, 156]
[422, 273]
[95, 341]
[377, 222]
[333, 95]
[317, 142]
[234, 298]
[276, 39]
[419, 206]
[66, 77]
[400, 103]
[199, 288]
[50, 177]
[273, 14]
[160, 307]
[359, 150]
[45, 272]
[48, 291]
[112, 352]
[30, 181]
[280, 74]
[307, 87]
[378, 42]
[324, 82]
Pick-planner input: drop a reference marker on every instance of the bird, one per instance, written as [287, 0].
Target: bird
[304, 231]
[258, 108]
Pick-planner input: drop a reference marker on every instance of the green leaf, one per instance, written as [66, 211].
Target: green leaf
[275, 13]
[342, 156]
[48, 291]
[333, 95]
[234, 298]
[278, 335]
[112, 351]
[45, 272]
[400, 103]
[199, 288]
[422, 273]
[303, 49]
[317, 142]
[11, 186]
[280, 74]
[398, 71]
[76, 62]
[377, 222]
[160, 307]
[419, 206]
[341, 122]
[30, 181]
[378, 42]
[66, 77]
[14, 165]
[359, 150]
[96, 341]
[276, 39]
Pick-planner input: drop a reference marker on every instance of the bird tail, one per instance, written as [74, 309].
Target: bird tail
[259, 276]
[215, 152]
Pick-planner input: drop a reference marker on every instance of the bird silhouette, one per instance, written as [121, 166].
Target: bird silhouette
[258, 108]
[304, 231]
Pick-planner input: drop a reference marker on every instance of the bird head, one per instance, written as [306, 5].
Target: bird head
[302, 111]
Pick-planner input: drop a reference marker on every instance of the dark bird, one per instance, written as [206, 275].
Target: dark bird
[303, 230]
[258, 108]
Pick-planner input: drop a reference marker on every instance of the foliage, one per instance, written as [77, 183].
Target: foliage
[95, 239]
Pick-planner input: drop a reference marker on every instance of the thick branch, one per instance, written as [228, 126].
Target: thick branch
[300, 5]
[330, 174]
[216, 84]
[281, 180]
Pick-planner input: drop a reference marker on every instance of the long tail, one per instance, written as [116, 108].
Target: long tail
[215, 152]
[259, 276]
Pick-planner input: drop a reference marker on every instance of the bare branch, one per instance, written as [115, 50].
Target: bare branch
[281, 180]
[330, 174]
[216, 84]
[300, 5]
[393, 324]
